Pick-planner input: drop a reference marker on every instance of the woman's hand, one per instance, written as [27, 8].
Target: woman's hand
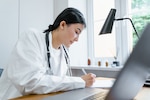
[89, 79]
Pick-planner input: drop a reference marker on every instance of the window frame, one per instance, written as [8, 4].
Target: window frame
[122, 40]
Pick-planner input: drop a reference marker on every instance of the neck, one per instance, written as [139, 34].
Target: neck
[55, 40]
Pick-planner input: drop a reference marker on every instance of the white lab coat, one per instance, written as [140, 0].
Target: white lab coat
[28, 72]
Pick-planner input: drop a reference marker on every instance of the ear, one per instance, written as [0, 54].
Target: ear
[62, 24]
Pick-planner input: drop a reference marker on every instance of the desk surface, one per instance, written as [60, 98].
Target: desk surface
[144, 94]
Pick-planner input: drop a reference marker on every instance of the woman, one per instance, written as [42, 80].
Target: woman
[39, 62]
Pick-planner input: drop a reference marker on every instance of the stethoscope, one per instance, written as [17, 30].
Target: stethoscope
[49, 55]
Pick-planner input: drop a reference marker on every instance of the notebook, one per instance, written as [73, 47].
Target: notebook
[128, 82]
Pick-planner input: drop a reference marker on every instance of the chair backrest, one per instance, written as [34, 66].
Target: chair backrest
[1, 71]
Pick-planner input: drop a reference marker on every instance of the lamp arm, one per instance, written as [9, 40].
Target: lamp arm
[131, 23]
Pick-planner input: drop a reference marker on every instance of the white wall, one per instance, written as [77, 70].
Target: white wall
[59, 5]
[35, 14]
[8, 28]
[19, 15]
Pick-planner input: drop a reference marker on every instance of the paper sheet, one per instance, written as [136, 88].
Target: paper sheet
[103, 83]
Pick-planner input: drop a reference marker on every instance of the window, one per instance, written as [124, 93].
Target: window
[139, 10]
[122, 39]
[102, 47]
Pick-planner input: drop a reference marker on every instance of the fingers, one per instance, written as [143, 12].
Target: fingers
[92, 75]
[89, 79]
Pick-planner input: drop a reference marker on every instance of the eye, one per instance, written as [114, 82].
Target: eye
[77, 32]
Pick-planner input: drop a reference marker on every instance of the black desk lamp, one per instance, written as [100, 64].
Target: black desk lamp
[107, 27]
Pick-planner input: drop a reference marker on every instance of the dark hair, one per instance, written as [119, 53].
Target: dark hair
[70, 16]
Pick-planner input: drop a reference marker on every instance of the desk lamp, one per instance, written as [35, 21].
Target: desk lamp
[107, 27]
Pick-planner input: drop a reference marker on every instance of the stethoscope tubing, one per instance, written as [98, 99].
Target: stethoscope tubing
[48, 52]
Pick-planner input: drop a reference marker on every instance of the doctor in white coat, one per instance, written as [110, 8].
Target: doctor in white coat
[39, 62]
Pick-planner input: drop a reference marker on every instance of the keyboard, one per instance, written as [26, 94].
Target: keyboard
[147, 82]
[80, 94]
[98, 96]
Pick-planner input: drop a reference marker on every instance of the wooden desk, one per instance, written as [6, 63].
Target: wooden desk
[35, 97]
[144, 94]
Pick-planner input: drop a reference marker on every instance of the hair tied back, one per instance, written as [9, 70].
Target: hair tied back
[50, 28]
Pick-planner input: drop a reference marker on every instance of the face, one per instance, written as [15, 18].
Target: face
[71, 33]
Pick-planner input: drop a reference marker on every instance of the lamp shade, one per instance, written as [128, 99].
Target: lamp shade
[107, 27]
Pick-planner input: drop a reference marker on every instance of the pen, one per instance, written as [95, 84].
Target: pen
[84, 71]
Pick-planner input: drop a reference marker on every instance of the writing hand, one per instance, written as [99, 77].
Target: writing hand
[89, 79]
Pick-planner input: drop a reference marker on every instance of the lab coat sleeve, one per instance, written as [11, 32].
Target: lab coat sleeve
[27, 73]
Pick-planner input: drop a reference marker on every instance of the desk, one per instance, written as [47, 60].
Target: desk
[144, 94]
